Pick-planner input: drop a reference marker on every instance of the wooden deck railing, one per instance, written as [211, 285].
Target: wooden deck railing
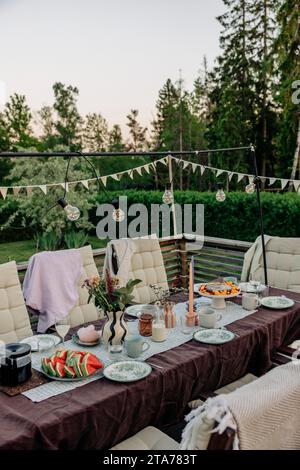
[217, 257]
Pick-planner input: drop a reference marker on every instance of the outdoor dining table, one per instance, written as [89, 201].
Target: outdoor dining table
[102, 413]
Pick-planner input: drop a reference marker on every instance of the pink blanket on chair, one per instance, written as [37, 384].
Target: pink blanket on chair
[51, 285]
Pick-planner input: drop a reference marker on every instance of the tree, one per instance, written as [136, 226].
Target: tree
[5, 163]
[263, 24]
[68, 120]
[95, 133]
[46, 120]
[233, 96]
[115, 141]
[137, 133]
[17, 118]
[287, 48]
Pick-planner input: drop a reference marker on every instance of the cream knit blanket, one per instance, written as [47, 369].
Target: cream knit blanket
[265, 413]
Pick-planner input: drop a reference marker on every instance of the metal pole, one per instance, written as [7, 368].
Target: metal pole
[172, 189]
[257, 182]
[116, 154]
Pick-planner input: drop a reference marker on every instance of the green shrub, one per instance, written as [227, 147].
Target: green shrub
[75, 239]
[48, 241]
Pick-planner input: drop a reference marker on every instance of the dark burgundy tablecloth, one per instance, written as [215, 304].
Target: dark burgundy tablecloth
[102, 413]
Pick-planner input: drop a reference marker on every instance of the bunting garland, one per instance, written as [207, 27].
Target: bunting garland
[4, 191]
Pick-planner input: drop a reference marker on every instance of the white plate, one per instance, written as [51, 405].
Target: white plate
[134, 310]
[213, 336]
[247, 287]
[127, 371]
[33, 340]
[277, 303]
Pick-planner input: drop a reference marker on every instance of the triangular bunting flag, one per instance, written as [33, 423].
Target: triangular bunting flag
[65, 186]
[296, 185]
[164, 160]
[130, 174]
[219, 172]
[240, 176]
[104, 180]
[230, 175]
[16, 190]
[3, 192]
[139, 170]
[263, 179]
[194, 167]
[85, 183]
[146, 167]
[250, 179]
[272, 181]
[185, 164]
[43, 187]
[202, 169]
[115, 177]
[284, 183]
[29, 191]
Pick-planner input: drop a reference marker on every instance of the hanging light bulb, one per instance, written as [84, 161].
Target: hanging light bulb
[168, 197]
[250, 188]
[220, 196]
[72, 212]
[118, 214]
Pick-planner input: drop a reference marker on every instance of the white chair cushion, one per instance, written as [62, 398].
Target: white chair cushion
[149, 438]
[147, 265]
[283, 261]
[83, 311]
[14, 318]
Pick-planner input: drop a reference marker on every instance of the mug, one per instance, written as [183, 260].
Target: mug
[250, 301]
[135, 346]
[208, 318]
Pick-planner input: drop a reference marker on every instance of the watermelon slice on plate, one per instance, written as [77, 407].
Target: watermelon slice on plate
[60, 370]
[51, 369]
[94, 361]
[86, 368]
[77, 359]
[70, 372]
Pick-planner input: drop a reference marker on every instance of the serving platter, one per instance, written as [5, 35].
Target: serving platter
[218, 301]
[135, 310]
[99, 373]
[33, 341]
[76, 340]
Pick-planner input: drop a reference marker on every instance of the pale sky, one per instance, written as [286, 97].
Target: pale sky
[118, 53]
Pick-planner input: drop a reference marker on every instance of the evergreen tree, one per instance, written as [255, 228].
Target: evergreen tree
[232, 96]
[46, 121]
[68, 120]
[115, 141]
[263, 24]
[287, 47]
[5, 163]
[138, 141]
[17, 118]
[95, 133]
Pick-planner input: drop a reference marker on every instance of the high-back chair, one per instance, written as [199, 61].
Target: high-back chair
[283, 262]
[261, 415]
[144, 261]
[83, 311]
[14, 318]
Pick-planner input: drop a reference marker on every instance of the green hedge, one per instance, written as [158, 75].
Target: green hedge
[236, 218]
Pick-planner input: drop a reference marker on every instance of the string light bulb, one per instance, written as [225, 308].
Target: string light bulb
[118, 214]
[250, 188]
[168, 197]
[220, 195]
[72, 212]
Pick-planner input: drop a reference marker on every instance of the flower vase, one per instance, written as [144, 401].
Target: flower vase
[115, 328]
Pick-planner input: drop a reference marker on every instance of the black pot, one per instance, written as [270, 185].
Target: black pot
[15, 364]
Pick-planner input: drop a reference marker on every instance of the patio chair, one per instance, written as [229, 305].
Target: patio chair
[145, 263]
[83, 311]
[283, 262]
[261, 415]
[14, 318]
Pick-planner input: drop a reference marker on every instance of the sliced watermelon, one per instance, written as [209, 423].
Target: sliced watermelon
[55, 359]
[86, 368]
[45, 362]
[77, 359]
[60, 370]
[62, 354]
[51, 369]
[94, 361]
[70, 372]
[70, 357]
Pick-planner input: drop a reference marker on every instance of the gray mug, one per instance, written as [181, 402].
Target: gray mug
[135, 346]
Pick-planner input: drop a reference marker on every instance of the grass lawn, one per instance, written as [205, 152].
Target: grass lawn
[22, 250]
